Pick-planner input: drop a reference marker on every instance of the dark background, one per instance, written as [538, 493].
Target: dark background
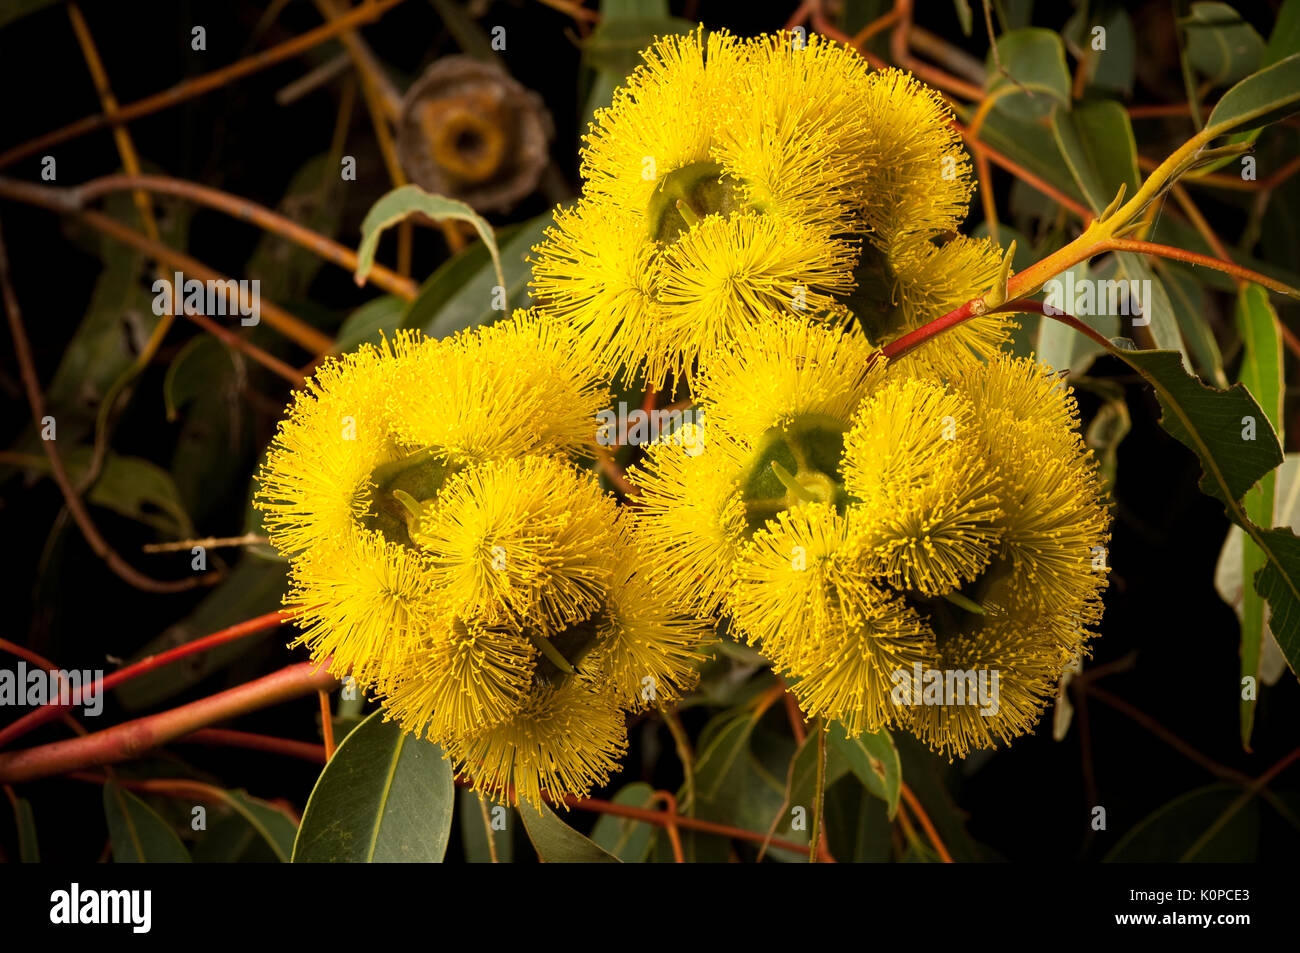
[1029, 802]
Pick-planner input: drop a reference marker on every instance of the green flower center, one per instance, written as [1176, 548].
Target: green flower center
[690, 194]
[563, 651]
[794, 465]
[400, 489]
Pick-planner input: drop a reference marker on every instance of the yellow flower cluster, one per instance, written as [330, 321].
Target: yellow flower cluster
[919, 545]
[866, 527]
[735, 178]
[449, 556]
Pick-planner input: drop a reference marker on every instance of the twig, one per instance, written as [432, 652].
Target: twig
[208, 542]
[365, 13]
[327, 723]
[247, 211]
[133, 738]
[51, 710]
[924, 820]
[119, 566]
[226, 738]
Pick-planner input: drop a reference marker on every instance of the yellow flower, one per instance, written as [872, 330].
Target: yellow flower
[690, 517]
[600, 276]
[648, 647]
[922, 281]
[926, 505]
[784, 370]
[720, 280]
[460, 676]
[1013, 649]
[564, 740]
[919, 183]
[527, 541]
[313, 484]
[360, 601]
[512, 388]
[796, 133]
[749, 165]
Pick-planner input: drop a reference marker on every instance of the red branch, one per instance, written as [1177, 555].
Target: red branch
[133, 738]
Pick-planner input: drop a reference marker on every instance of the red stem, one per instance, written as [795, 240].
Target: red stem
[133, 738]
[48, 712]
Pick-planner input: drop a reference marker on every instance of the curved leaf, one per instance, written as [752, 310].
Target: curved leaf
[138, 834]
[558, 843]
[385, 796]
[1259, 99]
[413, 200]
[873, 759]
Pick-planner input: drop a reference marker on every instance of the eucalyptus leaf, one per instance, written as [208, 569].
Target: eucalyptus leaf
[873, 759]
[558, 843]
[1036, 77]
[409, 200]
[138, 834]
[1264, 97]
[386, 796]
[627, 839]
[1205, 825]
[1221, 46]
[1261, 373]
[479, 819]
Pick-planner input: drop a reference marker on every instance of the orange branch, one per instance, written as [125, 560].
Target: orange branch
[365, 13]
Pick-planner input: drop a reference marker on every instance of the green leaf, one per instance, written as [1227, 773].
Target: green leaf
[1264, 97]
[1221, 46]
[28, 850]
[413, 200]
[1228, 576]
[1022, 140]
[1261, 373]
[214, 446]
[1207, 825]
[459, 295]
[1111, 69]
[1211, 423]
[801, 787]
[474, 828]
[873, 759]
[1096, 139]
[730, 786]
[1034, 58]
[129, 486]
[270, 824]
[370, 322]
[964, 15]
[386, 796]
[1188, 299]
[1285, 38]
[558, 843]
[1061, 347]
[313, 198]
[1236, 445]
[138, 834]
[253, 588]
[615, 44]
[1156, 308]
[628, 840]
